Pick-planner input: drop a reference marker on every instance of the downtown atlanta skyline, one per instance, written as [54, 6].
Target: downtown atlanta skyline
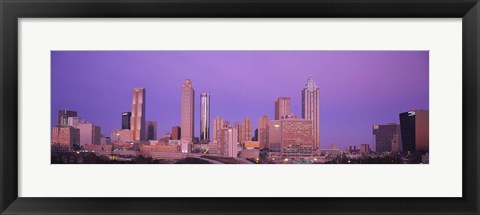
[357, 88]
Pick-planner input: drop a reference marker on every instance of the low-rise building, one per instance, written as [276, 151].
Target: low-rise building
[159, 148]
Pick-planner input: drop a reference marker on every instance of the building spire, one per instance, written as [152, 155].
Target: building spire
[310, 85]
[187, 83]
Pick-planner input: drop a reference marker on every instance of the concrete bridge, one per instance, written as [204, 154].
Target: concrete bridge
[179, 156]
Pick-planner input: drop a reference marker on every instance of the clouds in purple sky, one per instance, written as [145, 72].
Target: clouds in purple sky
[357, 88]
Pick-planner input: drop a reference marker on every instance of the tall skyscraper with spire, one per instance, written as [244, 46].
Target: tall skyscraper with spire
[137, 122]
[205, 116]
[311, 109]
[187, 110]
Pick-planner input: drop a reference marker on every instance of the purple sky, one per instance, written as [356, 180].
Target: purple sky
[357, 88]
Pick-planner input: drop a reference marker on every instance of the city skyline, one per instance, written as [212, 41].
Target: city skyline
[373, 73]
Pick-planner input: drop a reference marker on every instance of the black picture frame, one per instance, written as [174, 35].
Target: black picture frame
[12, 10]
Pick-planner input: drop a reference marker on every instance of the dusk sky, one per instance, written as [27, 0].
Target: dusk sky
[357, 88]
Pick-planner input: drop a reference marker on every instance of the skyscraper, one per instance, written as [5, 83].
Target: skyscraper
[311, 109]
[263, 129]
[205, 117]
[282, 107]
[63, 116]
[217, 125]
[245, 130]
[187, 110]
[176, 133]
[151, 130]
[414, 129]
[137, 122]
[126, 116]
[385, 135]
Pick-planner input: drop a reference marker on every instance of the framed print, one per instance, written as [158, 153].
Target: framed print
[322, 107]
